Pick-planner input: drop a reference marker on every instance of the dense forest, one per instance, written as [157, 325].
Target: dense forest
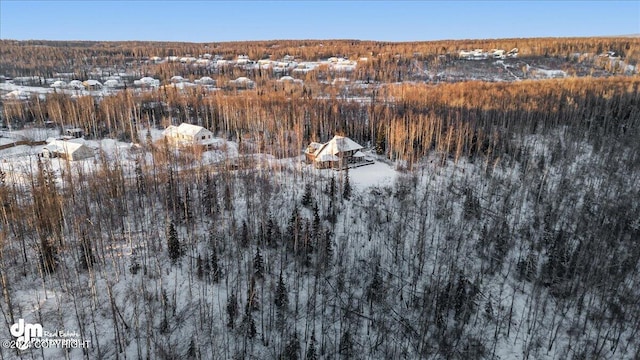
[44, 58]
[510, 229]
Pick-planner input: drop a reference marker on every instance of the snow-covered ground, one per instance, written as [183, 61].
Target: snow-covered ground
[445, 241]
[376, 174]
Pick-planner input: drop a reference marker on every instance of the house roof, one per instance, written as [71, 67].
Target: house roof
[170, 130]
[147, 80]
[91, 82]
[286, 78]
[111, 83]
[184, 129]
[337, 145]
[68, 147]
[188, 129]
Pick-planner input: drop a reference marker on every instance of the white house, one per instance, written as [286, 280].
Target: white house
[112, 83]
[498, 53]
[177, 79]
[92, 84]
[339, 152]
[290, 80]
[59, 84]
[68, 150]
[242, 60]
[203, 61]
[242, 82]
[188, 135]
[147, 82]
[205, 80]
[16, 95]
[75, 84]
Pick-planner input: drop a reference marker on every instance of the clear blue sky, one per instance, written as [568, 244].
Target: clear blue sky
[213, 21]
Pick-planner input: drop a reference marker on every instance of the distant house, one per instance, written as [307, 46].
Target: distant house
[498, 53]
[147, 82]
[290, 80]
[205, 80]
[74, 133]
[16, 95]
[177, 79]
[188, 135]
[339, 152]
[76, 85]
[112, 83]
[242, 82]
[67, 150]
[92, 84]
[242, 60]
[59, 84]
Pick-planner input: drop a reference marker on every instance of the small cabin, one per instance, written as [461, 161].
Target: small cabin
[74, 133]
[339, 152]
[188, 135]
[67, 150]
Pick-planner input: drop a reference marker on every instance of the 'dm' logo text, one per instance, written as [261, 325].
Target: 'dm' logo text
[24, 332]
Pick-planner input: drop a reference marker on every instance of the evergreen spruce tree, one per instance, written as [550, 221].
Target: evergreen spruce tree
[140, 183]
[227, 197]
[311, 350]
[206, 199]
[331, 215]
[269, 235]
[215, 268]
[328, 248]
[374, 292]
[292, 349]
[307, 198]
[488, 309]
[191, 351]
[346, 190]
[331, 187]
[460, 301]
[199, 267]
[381, 142]
[346, 345]
[258, 267]
[281, 298]
[173, 244]
[294, 228]
[249, 326]
[232, 310]
[316, 221]
[244, 235]
[86, 253]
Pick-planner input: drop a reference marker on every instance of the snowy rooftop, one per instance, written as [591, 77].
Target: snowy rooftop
[338, 144]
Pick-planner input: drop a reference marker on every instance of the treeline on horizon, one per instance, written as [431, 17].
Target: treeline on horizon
[45, 58]
[402, 121]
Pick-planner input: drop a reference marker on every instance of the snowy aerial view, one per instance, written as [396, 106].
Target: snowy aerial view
[314, 180]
